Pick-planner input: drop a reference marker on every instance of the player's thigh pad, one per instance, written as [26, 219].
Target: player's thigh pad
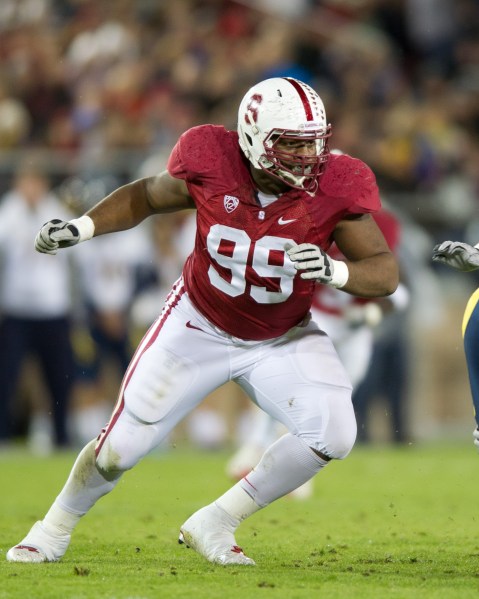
[160, 380]
[174, 367]
[303, 384]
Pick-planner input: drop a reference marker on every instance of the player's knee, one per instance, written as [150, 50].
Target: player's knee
[340, 447]
[124, 445]
[117, 454]
[337, 435]
[112, 460]
[337, 447]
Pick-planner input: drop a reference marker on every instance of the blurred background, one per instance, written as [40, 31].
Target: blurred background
[94, 94]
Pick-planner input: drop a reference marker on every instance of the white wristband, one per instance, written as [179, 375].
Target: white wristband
[85, 226]
[340, 274]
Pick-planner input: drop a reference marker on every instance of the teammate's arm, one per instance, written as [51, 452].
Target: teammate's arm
[123, 209]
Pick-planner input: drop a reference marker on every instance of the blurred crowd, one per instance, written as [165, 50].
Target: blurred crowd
[95, 93]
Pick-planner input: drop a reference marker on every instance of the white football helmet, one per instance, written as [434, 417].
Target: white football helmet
[283, 108]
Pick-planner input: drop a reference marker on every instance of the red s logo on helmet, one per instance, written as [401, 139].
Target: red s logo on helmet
[252, 108]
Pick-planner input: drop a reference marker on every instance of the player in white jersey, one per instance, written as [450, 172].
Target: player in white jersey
[270, 201]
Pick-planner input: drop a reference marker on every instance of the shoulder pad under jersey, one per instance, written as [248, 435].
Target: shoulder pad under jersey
[345, 176]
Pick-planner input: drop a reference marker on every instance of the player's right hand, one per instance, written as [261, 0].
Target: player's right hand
[56, 234]
[457, 254]
[475, 434]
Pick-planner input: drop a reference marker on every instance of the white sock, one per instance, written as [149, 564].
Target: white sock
[237, 503]
[60, 520]
[84, 487]
[285, 466]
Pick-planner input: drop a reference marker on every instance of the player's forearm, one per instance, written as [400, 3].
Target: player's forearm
[123, 209]
[377, 276]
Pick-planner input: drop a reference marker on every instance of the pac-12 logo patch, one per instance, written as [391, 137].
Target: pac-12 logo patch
[231, 203]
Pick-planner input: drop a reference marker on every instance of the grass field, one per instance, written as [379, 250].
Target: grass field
[385, 523]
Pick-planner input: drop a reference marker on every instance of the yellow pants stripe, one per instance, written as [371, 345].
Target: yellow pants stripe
[471, 304]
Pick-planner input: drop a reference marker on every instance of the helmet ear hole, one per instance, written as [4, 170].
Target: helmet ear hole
[250, 140]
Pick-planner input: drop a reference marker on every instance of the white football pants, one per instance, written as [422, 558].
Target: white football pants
[297, 378]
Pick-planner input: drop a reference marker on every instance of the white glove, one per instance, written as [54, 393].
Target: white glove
[318, 266]
[461, 256]
[475, 434]
[57, 234]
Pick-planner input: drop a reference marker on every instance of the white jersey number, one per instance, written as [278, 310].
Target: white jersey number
[236, 247]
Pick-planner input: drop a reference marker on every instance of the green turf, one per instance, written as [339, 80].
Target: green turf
[386, 523]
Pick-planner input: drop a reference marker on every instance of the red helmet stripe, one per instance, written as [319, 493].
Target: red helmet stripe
[304, 98]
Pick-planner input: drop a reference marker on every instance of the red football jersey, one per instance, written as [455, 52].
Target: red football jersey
[239, 275]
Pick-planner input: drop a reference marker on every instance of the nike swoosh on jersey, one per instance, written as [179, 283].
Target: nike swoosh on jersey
[282, 221]
[192, 326]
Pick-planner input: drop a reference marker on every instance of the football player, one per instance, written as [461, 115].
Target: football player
[350, 323]
[465, 257]
[270, 200]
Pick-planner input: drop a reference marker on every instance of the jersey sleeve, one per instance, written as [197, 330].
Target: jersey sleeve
[352, 180]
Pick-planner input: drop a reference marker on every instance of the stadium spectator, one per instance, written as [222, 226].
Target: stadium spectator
[240, 311]
[35, 302]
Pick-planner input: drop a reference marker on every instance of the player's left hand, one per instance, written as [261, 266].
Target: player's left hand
[475, 434]
[314, 261]
[457, 254]
[318, 266]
